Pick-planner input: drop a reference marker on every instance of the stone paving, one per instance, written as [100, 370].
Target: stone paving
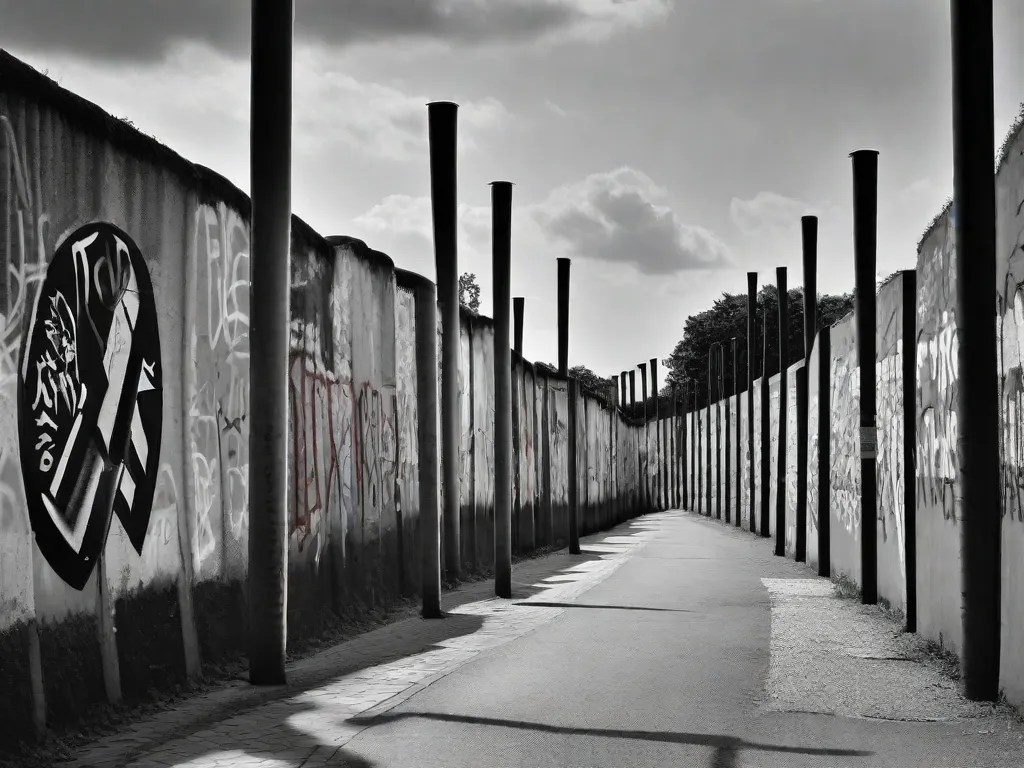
[307, 722]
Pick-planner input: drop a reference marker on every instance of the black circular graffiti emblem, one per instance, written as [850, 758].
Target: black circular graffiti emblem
[90, 400]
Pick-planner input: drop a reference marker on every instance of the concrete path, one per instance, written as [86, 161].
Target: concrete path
[672, 641]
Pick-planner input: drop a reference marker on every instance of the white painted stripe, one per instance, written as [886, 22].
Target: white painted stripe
[62, 466]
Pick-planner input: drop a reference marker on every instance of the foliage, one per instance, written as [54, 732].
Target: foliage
[590, 383]
[469, 292]
[727, 320]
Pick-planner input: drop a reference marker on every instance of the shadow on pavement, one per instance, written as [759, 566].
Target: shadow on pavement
[727, 748]
[290, 736]
[608, 607]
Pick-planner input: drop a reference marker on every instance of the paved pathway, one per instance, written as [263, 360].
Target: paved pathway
[673, 640]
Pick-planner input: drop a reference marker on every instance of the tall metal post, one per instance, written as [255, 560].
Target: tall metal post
[687, 452]
[780, 488]
[270, 159]
[632, 409]
[865, 210]
[736, 441]
[659, 469]
[442, 117]
[563, 369]
[645, 469]
[616, 503]
[751, 368]
[501, 251]
[727, 407]
[698, 455]
[674, 451]
[519, 526]
[809, 231]
[766, 432]
[974, 216]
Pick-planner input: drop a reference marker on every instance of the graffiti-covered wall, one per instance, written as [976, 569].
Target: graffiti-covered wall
[816, 413]
[124, 393]
[844, 472]
[774, 404]
[938, 536]
[790, 479]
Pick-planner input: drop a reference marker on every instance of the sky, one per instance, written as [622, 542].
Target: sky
[667, 147]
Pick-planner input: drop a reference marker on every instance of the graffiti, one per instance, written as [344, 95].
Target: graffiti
[937, 422]
[218, 406]
[844, 470]
[90, 400]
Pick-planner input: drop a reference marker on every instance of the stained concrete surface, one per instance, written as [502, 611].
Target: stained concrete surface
[682, 680]
[671, 641]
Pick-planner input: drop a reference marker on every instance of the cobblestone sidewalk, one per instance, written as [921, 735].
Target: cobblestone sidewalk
[306, 723]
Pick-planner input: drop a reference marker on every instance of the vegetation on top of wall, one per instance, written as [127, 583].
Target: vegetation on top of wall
[727, 319]
[1010, 138]
[936, 219]
[469, 292]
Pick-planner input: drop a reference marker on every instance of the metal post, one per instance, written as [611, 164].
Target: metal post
[427, 444]
[809, 231]
[270, 157]
[519, 535]
[563, 368]
[674, 451]
[728, 435]
[659, 499]
[865, 209]
[751, 367]
[442, 117]
[977, 408]
[780, 488]
[614, 434]
[698, 456]
[645, 469]
[632, 410]
[736, 442]
[501, 251]
[687, 452]
[766, 434]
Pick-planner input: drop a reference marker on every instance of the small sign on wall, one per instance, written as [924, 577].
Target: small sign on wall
[868, 443]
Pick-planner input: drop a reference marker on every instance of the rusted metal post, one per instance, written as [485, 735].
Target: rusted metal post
[865, 215]
[974, 217]
[519, 534]
[632, 409]
[563, 368]
[766, 430]
[645, 469]
[442, 117]
[727, 421]
[674, 451]
[659, 499]
[270, 155]
[780, 487]
[809, 231]
[751, 368]
[501, 252]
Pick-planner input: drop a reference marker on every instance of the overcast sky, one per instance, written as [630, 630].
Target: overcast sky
[667, 146]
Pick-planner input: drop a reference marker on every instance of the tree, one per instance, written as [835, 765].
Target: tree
[727, 318]
[590, 383]
[469, 292]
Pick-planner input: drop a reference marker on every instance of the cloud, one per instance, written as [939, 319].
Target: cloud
[196, 85]
[767, 211]
[147, 30]
[616, 217]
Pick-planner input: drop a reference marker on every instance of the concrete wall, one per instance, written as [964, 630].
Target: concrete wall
[844, 472]
[125, 315]
[1010, 274]
[774, 413]
[815, 413]
[791, 463]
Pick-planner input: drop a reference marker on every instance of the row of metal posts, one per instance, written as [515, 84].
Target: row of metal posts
[977, 407]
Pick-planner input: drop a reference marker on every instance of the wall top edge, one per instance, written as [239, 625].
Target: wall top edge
[361, 250]
[412, 280]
